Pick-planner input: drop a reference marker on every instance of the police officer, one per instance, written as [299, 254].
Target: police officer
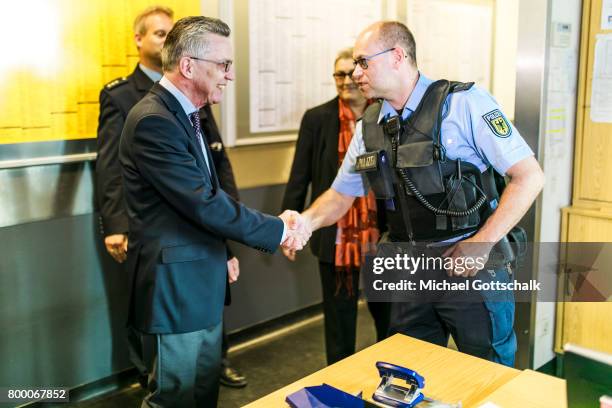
[116, 99]
[437, 184]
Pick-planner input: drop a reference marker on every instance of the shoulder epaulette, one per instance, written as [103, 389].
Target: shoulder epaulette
[460, 86]
[115, 83]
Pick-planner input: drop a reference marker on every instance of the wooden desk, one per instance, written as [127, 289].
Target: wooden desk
[450, 376]
[530, 389]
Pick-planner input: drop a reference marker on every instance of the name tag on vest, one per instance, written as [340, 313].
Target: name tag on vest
[367, 162]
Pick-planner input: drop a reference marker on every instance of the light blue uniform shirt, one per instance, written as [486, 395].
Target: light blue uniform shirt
[468, 133]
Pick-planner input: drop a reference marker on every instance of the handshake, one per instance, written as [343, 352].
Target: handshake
[298, 232]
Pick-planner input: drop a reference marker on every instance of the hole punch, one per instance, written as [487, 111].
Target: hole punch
[393, 395]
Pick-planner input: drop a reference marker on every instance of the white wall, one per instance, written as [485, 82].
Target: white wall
[504, 54]
[556, 155]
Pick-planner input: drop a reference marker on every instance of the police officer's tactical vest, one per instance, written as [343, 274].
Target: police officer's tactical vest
[429, 197]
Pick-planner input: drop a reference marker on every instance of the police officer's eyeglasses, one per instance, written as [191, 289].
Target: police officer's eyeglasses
[340, 75]
[226, 64]
[363, 61]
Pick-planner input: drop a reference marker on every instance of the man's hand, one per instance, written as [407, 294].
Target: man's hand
[289, 253]
[298, 230]
[116, 245]
[472, 252]
[233, 270]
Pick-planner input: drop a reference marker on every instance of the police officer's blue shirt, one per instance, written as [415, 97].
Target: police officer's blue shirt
[473, 130]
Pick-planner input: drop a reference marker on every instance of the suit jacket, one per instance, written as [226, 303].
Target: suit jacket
[221, 162]
[223, 168]
[315, 162]
[116, 99]
[179, 220]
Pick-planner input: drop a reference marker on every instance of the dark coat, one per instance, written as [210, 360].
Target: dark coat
[179, 219]
[315, 162]
[116, 99]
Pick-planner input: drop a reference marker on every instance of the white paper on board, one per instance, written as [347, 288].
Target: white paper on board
[601, 89]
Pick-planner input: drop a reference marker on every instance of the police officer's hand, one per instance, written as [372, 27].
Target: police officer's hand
[233, 270]
[469, 256]
[116, 245]
[297, 230]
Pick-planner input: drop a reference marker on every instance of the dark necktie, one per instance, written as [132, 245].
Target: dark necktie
[197, 127]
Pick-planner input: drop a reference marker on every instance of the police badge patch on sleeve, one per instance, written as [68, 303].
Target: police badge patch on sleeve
[498, 123]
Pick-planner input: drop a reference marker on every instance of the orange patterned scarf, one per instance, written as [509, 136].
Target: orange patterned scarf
[357, 231]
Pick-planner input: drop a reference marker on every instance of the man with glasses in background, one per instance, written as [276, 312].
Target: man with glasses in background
[413, 166]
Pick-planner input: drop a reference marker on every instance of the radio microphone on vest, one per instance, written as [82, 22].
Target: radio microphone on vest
[392, 125]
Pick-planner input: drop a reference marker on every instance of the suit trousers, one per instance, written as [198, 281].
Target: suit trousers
[183, 368]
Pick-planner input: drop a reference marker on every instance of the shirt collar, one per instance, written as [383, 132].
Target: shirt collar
[152, 74]
[420, 87]
[186, 104]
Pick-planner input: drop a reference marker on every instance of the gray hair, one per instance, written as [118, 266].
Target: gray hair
[139, 21]
[394, 33]
[189, 36]
[346, 53]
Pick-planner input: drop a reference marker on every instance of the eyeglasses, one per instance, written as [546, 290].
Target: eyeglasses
[226, 64]
[363, 61]
[341, 75]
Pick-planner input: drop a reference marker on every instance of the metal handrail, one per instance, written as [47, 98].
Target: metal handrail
[42, 161]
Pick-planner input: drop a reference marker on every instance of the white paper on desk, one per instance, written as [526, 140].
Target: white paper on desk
[606, 15]
[601, 89]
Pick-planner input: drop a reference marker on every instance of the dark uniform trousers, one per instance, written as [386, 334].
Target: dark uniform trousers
[481, 326]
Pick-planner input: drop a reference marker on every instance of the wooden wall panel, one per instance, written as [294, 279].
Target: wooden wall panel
[585, 323]
[57, 99]
[593, 166]
[590, 217]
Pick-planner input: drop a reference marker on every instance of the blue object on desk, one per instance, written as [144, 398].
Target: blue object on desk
[395, 395]
[325, 396]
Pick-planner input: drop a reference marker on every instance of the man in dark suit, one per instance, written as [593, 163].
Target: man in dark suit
[180, 218]
[116, 99]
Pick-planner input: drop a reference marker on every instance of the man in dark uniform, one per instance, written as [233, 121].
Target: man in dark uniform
[116, 99]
